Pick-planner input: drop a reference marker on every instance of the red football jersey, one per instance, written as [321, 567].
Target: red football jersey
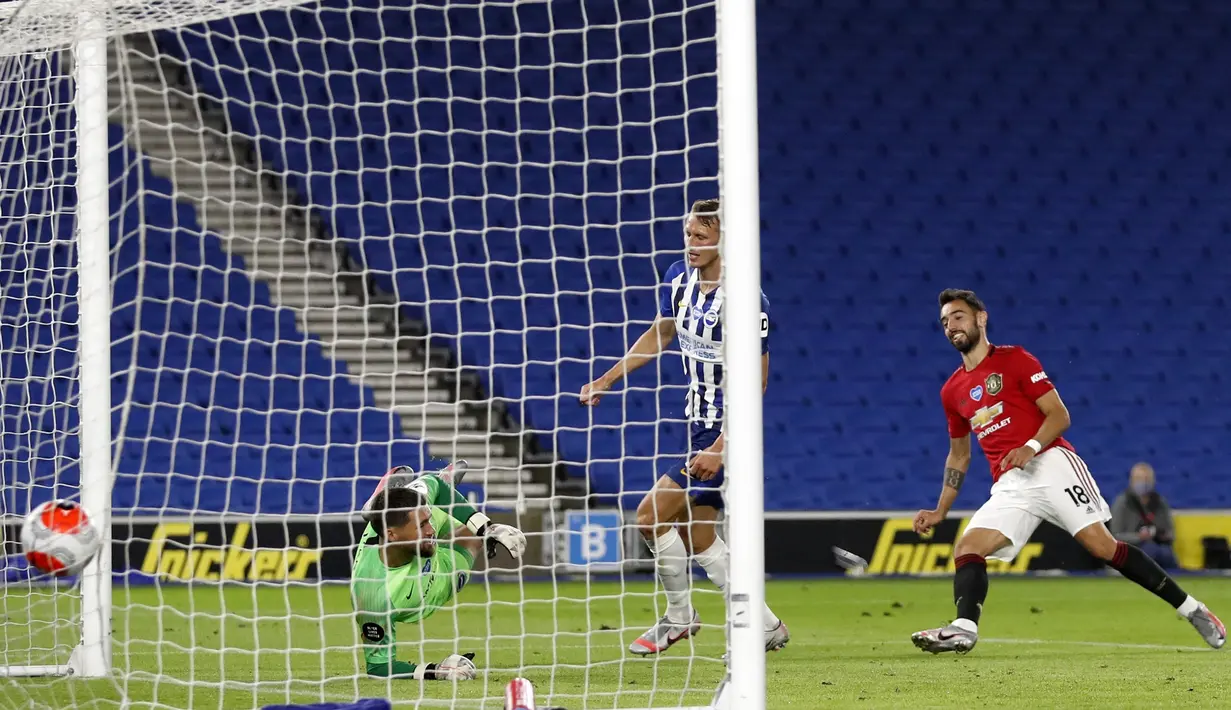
[996, 401]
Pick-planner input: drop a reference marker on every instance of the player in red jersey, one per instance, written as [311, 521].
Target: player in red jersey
[1002, 395]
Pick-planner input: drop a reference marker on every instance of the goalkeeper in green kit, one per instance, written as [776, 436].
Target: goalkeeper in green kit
[418, 551]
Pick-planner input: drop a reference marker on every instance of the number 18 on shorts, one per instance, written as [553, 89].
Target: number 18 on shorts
[1054, 486]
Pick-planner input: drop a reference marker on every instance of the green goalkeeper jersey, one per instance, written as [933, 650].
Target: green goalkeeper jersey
[385, 596]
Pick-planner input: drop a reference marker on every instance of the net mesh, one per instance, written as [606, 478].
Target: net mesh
[347, 237]
[39, 25]
[38, 323]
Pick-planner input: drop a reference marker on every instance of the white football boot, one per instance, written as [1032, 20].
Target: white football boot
[776, 638]
[664, 635]
[946, 638]
[1209, 626]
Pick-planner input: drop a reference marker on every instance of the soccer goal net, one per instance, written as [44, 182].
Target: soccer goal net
[342, 237]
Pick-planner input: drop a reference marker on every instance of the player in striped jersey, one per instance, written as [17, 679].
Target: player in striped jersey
[680, 513]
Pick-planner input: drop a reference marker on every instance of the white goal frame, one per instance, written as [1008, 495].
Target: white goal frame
[741, 244]
[91, 658]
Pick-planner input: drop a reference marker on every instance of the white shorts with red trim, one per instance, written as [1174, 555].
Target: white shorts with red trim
[1054, 486]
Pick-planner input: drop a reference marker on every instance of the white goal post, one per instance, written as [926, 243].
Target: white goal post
[94, 183]
[741, 206]
[91, 657]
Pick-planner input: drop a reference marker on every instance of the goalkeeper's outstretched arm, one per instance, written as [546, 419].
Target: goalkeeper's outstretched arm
[465, 539]
[440, 494]
[443, 496]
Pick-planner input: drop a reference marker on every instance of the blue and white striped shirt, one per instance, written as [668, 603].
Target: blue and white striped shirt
[698, 326]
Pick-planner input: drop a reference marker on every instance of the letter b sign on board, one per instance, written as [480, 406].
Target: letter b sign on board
[594, 537]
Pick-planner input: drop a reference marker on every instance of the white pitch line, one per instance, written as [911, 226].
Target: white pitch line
[1100, 644]
[889, 642]
[474, 644]
[1021, 642]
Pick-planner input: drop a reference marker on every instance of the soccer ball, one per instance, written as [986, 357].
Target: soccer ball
[59, 538]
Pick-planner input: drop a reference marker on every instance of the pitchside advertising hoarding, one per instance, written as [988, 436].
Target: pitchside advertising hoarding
[605, 541]
[231, 552]
[254, 550]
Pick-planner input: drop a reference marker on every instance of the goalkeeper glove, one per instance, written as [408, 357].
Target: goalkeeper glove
[511, 538]
[455, 667]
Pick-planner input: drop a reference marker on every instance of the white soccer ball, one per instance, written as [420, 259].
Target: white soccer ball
[59, 537]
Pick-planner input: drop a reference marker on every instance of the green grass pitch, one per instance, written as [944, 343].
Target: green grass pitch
[1052, 642]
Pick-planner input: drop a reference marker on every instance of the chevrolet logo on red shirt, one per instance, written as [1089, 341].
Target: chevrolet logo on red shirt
[986, 415]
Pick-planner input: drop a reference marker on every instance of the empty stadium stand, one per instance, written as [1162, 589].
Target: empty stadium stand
[1068, 160]
[1065, 159]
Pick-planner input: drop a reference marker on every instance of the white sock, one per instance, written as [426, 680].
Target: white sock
[967, 625]
[671, 562]
[1189, 606]
[715, 561]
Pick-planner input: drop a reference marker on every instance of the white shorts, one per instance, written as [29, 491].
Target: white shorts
[1054, 486]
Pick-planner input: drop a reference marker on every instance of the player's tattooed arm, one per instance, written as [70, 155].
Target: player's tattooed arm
[956, 465]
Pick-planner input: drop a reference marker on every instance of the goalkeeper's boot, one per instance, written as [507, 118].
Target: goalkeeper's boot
[664, 635]
[1209, 626]
[454, 472]
[946, 638]
[776, 638]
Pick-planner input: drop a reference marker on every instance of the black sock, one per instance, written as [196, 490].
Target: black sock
[970, 586]
[1137, 566]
